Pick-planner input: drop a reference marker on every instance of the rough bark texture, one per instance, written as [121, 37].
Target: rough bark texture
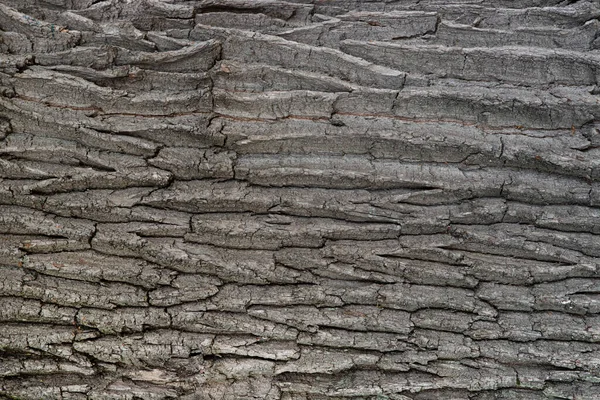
[225, 199]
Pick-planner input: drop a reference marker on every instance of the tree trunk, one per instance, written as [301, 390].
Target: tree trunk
[225, 199]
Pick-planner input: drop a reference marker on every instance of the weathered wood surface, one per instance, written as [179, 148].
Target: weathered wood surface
[226, 199]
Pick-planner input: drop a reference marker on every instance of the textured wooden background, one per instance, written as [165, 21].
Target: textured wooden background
[302, 200]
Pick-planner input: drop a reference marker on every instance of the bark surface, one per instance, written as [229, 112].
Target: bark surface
[301, 200]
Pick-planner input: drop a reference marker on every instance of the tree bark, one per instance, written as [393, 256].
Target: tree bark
[226, 199]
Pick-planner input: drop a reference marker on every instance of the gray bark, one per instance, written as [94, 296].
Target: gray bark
[227, 199]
